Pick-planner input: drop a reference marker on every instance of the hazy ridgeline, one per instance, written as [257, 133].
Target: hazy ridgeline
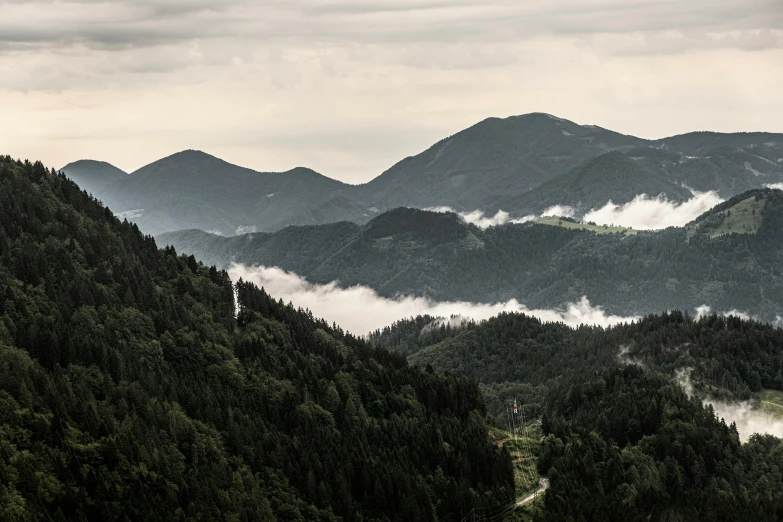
[729, 258]
[517, 166]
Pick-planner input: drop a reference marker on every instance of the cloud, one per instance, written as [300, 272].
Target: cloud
[748, 418]
[776, 186]
[146, 22]
[245, 229]
[645, 213]
[360, 309]
[478, 218]
[350, 87]
[705, 310]
[641, 213]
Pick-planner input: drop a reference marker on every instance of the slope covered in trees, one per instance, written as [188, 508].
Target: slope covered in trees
[517, 355]
[629, 445]
[715, 261]
[130, 390]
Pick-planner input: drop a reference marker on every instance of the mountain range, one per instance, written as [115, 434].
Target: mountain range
[521, 165]
[730, 258]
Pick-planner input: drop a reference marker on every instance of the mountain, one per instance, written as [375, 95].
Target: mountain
[134, 387]
[93, 176]
[521, 165]
[609, 406]
[193, 189]
[730, 258]
[613, 176]
[494, 158]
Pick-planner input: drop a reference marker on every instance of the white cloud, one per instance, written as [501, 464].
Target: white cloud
[478, 218]
[744, 414]
[645, 213]
[360, 309]
[350, 87]
[777, 186]
[245, 229]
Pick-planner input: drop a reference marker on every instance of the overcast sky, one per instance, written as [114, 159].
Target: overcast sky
[349, 87]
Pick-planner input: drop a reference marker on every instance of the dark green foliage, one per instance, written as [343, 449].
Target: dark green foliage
[413, 252]
[629, 445]
[130, 391]
[513, 355]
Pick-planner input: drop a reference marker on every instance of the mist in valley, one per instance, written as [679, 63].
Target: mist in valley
[360, 310]
[641, 213]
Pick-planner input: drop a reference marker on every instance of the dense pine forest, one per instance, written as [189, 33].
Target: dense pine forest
[139, 384]
[133, 388]
[622, 440]
[518, 355]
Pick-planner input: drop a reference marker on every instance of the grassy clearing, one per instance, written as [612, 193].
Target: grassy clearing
[598, 229]
[742, 218]
[772, 402]
[525, 470]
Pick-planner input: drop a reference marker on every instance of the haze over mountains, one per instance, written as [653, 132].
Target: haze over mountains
[730, 258]
[521, 165]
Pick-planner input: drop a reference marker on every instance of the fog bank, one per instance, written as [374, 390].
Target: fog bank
[360, 310]
[749, 420]
[481, 220]
[645, 213]
[641, 213]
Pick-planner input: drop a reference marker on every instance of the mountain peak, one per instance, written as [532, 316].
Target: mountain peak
[93, 176]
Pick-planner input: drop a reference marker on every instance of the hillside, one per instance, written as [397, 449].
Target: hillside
[93, 176]
[610, 177]
[494, 158]
[413, 252]
[520, 165]
[131, 389]
[192, 189]
[610, 407]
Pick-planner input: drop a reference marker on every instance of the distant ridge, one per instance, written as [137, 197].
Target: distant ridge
[520, 164]
[729, 258]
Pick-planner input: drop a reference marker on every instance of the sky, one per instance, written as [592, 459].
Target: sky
[349, 87]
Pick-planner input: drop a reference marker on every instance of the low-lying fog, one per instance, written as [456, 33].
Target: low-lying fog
[749, 420]
[641, 213]
[360, 310]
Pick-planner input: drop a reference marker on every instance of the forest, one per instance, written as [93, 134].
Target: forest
[621, 438]
[518, 355]
[131, 388]
[729, 258]
[140, 384]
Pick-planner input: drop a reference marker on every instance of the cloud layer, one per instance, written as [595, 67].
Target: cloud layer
[481, 220]
[361, 310]
[642, 213]
[645, 213]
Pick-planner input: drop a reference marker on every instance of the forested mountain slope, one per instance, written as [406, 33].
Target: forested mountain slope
[515, 353]
[613, 176]
[629, 445]
[129, 390]
[520, 164]
[622, 439]
[730, 258]
[495, 157]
